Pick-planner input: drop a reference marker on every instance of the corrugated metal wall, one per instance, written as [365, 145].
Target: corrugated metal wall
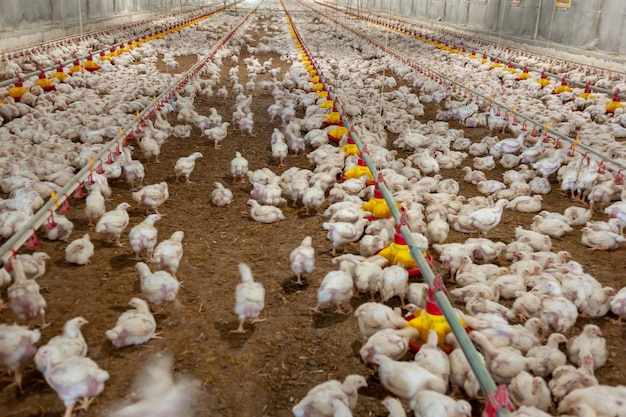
[588, 24]
[23, 23]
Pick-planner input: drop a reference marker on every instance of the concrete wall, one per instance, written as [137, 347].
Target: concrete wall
[27, 22]
[588, 24]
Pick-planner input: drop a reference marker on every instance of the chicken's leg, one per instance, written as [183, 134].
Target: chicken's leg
[240, 329]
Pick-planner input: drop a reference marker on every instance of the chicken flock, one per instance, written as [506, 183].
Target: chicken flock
[522, 340]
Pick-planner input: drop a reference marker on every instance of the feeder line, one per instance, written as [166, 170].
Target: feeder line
[13, 244]
[485, 381]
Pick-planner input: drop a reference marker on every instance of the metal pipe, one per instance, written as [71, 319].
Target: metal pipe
[538, 17]
[551, 20]
[80, 16]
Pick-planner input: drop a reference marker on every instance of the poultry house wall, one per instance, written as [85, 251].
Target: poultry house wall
[587, 24]
[24, 23]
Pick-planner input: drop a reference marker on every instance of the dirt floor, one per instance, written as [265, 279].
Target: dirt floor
[270, 368]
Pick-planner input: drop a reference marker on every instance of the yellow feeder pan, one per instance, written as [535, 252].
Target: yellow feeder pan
[431, 318]
[361, 170]
[485, 59]
[399, 252]
[586, 95]
[378, 206]
[333, 118]
[44, 82]
[350, 148]
[315, 79]
[496, 64]
[18, 91]
[59, 74]
[615, 104]
[322, 94]
[473, 55]
[312, 71]
[90, 65]
[104, 57]
[317, 87]
[524, 75]
[76, 67]
[328, 104]
[335, 135]
[122, 49]
[563, 88]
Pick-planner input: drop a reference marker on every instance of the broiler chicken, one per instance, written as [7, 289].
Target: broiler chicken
[545, 359]
[239, 167]
[17, 344]
[393, 343]
[372, 317]
[143, 237]
[149, 147]
[221, 196]
[185, 165]
[302, 259]
[79, 251]
[336, 288]
[434, 404]
[70, 343]
[432, 358]
[504, 362]
[249, 298]
[152, 196]
[217, 134]
[342, 233]
[601, 240]
[487, 218]
[94, 205]
[406, 379]
[395, 282]
[73, 378]
[157, 286]
[157, 392]
[618, 305]
[168, 253]
[526, 390]
[24, 297]
[133, 170]
[318, 401]
[589, 342]
[265, 214]
[604, 400]
[114, 222]
[134, 327]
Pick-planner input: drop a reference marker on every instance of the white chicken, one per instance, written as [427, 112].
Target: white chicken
[239, 167]
[135, 326]
[79, 251]
[618, 305]
[336, 288]
[487, 218]
[319, 400]
[73, 378]
[17, 344]
[149, 147]
[217, 134]
[434, 404]
[601, 239]
[185, 165]
[168, 253]
[395, 282]
[24, 297]
[157, 286]
[143, 237]
[590, 341]
[406, 379]
[302, 259]
[134, 170]
[221, 196]
[265, 214]
[249, 298]
[94, 205]
[372, 317]
[342, 233]
[603, 400]
[393, 343]
[70, 343]
[114, 222]
[152, 196]
[526, 390]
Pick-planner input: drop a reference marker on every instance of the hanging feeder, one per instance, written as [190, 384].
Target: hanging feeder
[333, 118]
[378, 205]
[78, 193]
[431, 318]
[337, 133]
[18, 90]
[76, 67]
[359, 171]
[33, 240]
[524, 75]
[615, 104]
[59, 74]
[563, 88]
[399, 252]
[45, 83]
[543, 80]
[586, 95]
